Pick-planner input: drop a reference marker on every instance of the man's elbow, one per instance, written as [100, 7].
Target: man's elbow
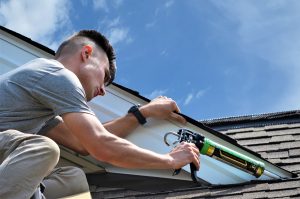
[80, 150]
[83, 152]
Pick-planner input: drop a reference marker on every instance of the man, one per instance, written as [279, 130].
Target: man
[48, 99]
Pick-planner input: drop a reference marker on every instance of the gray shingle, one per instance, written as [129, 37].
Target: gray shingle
[239, 196]
[282, 193]
[278, 154]
[296, 137]
[253, 134]
[285, 197]
[259, 194]
[254, 141]
[292, 168]
[275, 160]
[265, 147]
[225, 191]
[256, 187]
[189, 194]
[281, 138]
[285, 185]
[259, 148]
[291, 160]
[264, 155]
[277, 127]
[294, 152]
[292, 131]
[290, 145]
[162, 196]
[295, 125]
[234, 131]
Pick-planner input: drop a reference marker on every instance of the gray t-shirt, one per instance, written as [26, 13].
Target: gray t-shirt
[34, 93]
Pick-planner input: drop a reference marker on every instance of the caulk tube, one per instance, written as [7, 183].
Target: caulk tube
[231, 157]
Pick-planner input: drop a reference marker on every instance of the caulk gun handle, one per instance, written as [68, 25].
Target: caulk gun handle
[199, 144]
[193, 172]
[176, 172]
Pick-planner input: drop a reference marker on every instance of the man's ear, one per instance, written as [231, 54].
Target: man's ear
[86, 51]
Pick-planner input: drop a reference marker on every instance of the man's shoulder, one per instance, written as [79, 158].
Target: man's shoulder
[49, 68]
[45, 64]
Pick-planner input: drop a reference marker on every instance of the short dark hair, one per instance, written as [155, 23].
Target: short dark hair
[102, 42]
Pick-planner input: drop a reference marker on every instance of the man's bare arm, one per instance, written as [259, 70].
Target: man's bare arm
[107, 147]
[160, 108]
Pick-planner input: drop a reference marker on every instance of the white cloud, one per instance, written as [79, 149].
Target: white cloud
[117, 35]
[157, 93]
[200, 93]
[188, 99]
[113, 22]
[194, 95]
[38, 20]
[118, 3]
[164, 53]
[150, 24]
[169, 3]
[157, 11]
[104, 4]
[100, 4]
[84, 2]
[116, 32]
[270, 31]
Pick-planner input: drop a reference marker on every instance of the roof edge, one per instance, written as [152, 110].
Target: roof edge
[28, 40]
[257, 120]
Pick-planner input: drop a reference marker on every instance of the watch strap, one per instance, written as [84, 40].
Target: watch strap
[137, 113]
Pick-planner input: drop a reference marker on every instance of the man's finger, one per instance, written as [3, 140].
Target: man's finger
[175, 106]
[178, 118]
[196, 150]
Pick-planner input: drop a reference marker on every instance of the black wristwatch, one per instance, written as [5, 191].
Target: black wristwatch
[136, 112]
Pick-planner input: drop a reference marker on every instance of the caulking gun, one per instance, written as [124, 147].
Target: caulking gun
[217, 151]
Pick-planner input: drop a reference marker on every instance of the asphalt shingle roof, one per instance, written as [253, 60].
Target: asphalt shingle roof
[278, 143]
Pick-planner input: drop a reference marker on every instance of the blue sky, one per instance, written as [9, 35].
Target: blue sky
[215, 58]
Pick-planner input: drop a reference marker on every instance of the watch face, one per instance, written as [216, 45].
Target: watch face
[133, 109]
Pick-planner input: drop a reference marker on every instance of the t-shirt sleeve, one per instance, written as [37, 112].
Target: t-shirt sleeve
[53, 122]
[62, 92]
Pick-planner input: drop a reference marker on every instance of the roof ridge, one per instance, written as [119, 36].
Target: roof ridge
[254, 116]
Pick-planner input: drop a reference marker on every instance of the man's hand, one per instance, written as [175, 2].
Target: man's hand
[162, 108]
[184, 154]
